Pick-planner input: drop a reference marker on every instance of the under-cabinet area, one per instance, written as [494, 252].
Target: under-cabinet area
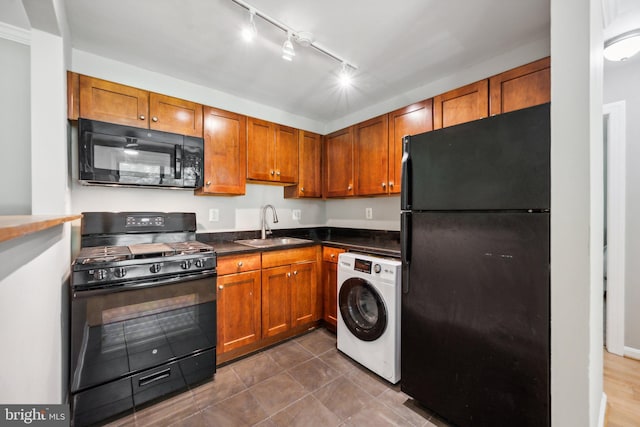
[361, 160]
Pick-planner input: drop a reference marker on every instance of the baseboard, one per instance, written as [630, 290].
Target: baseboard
[603, 410]
[632, 353]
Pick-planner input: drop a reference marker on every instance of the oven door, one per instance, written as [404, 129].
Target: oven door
[116, 334]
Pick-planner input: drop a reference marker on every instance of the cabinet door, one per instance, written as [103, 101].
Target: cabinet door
[411, 120]
[304, 291]
[225, 155]
[113, 103]
[276, 300]
[286, 154]
[465, 104]
[261, 160]
[309, 167]
[338, 164]
[371, 156]
[238, 307]
[521, 87]
[329, 292]
[175, 115]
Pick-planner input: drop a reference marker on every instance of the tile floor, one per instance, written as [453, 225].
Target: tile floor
[302, 382]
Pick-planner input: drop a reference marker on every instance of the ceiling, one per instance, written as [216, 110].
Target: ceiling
[396, 49]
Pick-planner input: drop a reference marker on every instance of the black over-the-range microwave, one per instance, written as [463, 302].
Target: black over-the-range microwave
[110, 154]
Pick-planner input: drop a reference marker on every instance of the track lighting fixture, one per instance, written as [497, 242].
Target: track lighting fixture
[287, 49]
[344, 76]
[622, 47]
[250, 32]
[302, 38]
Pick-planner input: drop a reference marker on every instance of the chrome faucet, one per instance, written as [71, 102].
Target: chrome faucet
[265, 227]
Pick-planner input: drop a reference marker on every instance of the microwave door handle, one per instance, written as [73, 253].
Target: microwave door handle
[178, 162]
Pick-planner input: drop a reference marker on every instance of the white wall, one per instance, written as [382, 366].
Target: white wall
[33, 308]
[621, 84]
[576, 212]
[15, 128]
[34, 269]
[350, 213]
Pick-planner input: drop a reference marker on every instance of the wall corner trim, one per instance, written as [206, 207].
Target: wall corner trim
[16, 34]
[603, 410]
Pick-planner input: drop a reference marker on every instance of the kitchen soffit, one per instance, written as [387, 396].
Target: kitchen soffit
[398, 46]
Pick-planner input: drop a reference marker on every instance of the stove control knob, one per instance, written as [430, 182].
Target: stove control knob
[199, 263]
[377, 268]
[185, 264]
[155, 268]
[100, 274]
[120, 272]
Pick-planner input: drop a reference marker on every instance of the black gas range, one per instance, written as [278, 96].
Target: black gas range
[143, 312]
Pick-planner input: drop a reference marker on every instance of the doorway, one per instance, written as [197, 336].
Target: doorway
[615, 222]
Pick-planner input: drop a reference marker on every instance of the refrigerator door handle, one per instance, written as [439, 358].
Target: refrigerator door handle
[405, 248]
[405, 194]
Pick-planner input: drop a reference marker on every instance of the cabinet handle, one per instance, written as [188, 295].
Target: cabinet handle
[240, 264]
[221, 287]
[288, 274]
[349, 187]
[278, 173]
[142, 117]
[391, 184]
[208, 183]
[333, 255]
[295, 272]
[384, 185]
[302, 189]
[154, 118]
[272, 172]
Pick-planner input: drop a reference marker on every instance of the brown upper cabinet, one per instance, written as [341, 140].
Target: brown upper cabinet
[309, 167]
[371, 156]
[115, 103]
[521, 87]
[338, 164]
[225, 155]
[465, 104]
[272, 152]
[411, 120]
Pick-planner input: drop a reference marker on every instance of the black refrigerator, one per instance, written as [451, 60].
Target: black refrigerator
[475, 199]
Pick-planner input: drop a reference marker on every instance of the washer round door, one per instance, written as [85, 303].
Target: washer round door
[362, 309]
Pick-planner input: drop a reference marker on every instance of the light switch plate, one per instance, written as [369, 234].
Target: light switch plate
[368, 213]
[214, 215]
[296, 214]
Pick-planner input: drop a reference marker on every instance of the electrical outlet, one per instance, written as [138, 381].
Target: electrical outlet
[214, 215]
[368, 213]
[296, 214]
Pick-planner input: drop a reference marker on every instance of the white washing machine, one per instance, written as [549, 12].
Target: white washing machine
[369, 312]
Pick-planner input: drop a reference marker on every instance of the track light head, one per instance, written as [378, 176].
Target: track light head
[249, 32]
[344, 77]
[287, 49]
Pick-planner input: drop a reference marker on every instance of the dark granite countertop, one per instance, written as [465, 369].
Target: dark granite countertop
[374, 242]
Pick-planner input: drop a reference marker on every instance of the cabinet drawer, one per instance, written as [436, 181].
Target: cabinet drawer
[289, 256]
[331, 254]
[238, 264]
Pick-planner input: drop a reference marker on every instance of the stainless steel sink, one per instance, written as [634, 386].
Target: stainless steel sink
[271, 242]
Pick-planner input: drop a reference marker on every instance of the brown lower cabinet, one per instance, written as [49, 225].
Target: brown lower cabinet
[330, 286]
[239, 302]
[266, 297]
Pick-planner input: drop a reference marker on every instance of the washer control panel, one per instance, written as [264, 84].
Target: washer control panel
[383, 268]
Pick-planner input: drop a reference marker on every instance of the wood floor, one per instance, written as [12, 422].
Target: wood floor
[622, 386]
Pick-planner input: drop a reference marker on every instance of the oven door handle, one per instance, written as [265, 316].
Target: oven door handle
[178, 167]
[133, 285]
